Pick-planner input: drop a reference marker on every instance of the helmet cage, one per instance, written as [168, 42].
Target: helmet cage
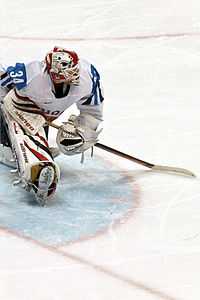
[62, 66]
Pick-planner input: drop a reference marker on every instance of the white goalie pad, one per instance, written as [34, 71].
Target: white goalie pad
[31, 122]
[37, 170]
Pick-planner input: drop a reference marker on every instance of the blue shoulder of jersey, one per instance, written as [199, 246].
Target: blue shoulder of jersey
[18, 75]
[96, 96]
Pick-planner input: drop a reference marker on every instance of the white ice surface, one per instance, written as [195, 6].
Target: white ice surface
[152, 112]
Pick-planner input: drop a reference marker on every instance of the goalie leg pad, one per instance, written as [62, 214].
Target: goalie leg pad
[37, 169]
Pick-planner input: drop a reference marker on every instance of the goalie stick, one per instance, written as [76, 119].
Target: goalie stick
[151, 166]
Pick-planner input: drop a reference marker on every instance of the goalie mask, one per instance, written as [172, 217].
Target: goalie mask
[62, 66]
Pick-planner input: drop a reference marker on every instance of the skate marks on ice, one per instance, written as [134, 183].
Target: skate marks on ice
[89, 198]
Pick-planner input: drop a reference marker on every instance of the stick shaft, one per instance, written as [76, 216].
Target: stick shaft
[124, 155]
[114, 151]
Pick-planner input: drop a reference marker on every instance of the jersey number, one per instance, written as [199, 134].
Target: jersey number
[18, 75]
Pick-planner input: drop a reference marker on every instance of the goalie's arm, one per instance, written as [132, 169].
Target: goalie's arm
[90, 115]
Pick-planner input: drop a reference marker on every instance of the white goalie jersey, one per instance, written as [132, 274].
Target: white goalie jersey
[34, 93]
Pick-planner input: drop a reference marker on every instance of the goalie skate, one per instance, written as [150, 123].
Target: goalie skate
[43, 180]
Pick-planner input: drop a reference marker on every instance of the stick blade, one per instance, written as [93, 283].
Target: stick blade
[176, 170]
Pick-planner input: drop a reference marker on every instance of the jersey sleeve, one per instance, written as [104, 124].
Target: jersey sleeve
[93, 103]
[5, 80]
[18, 101]
[19, 75]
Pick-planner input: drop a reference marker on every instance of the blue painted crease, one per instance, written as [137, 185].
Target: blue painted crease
[89, 199]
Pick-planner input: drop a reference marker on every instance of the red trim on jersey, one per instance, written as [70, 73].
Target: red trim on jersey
[23, 97]
[51, 118]
[39, 112]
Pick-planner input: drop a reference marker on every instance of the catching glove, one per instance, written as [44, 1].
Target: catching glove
[74, 138]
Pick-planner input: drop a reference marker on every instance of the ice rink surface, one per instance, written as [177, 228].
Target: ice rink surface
[148, 55]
